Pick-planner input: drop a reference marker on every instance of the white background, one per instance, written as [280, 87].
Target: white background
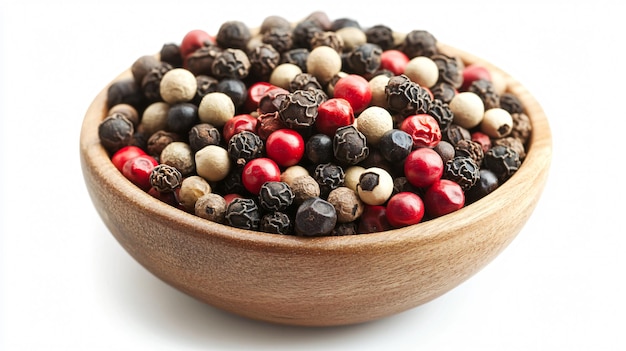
[66, 284]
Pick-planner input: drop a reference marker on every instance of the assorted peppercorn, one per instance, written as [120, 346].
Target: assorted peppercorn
[323, 127]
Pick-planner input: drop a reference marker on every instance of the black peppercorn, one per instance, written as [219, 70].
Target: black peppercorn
[419, 43]
[406, 97]
[235, 89]
[143, 65]
[115, 132]
[487, 93]
[443, 91]
[445, 150]
[395, 145]
[263, 59]
[151, 83]
[181, 117]
[514, 144]
[243, 213]
[278, 38]
[233, 34]
[462, 170]
[274, 21]
[244, 146]
[401, 185]
[511, 103]
[125, 91]
[304, 32]
[487, 182]
[350, 145]
[471, 149]
[442, 113]
[315, 217]
[521, 127]
[159, 140]
[297, 57]
[165, 178]
[276, 223]
[203, 134]
[206, 84]
[200, 62]
[231, 63]
[170, 53]
[502, 160]
[319, 149]
[299, 109]
[450, 70]
[454, 133]
[380, 35]
[232, 184]
[329, 176]
[330, 39]
[364, 59]
[342, 229]
[304, 81]
[339, 23]
[275, 196]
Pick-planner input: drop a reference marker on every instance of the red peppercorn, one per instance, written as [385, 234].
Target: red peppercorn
[194, 40]
[258, 171]
[255, 93]
[138, 169]
[374, 219]
[424, 130]
[443, 197]
[230, 197]
[285, 147]
[394, 61]
[332, 114]
[423, 167]
[473, 73]
[124, 154]
[483, 139]
[404, 209]
[238, 124]
[356, 90]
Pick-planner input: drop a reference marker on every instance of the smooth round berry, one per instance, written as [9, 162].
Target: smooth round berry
[285, 147]
[443, 197]
[473, 73]
[237, 124]
[394, 61]
[332, 114]
[258, 171]
[373, 220]
[319, 149]
[194, 40]
[405, 209]
[138, 170]
[356, 90]
[127, 152]
[181, 117]
[423, 167]
[424, 130]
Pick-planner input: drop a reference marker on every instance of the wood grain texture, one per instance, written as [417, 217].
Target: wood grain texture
[315, 281]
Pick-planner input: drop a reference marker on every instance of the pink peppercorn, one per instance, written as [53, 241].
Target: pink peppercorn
[194, 40]
[124, 154]
[138, 170]
[285, 147]
[258, 171]
[443, 197]
[374, 219]
[394, 61]
[356, 90]
[423, 167]
[405, 209]
[424, 130]
[332, 114]
[237, 124]
[473, 73]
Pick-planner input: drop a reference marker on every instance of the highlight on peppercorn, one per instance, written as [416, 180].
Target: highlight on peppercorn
[310, 130]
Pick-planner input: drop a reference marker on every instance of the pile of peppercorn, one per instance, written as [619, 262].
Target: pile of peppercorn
[317, 128]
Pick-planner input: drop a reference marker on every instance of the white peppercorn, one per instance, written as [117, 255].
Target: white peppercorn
[212, 163]
[496, 122]
[375, 186]
[283, 74]
[211, 206]
[216, 108]
[423, 71]
[374, 122]
[377, 86]
[191, 189]
[352, 175]
[323, 63]
[178, 154]
[468, 109]
[178, 85]
[352, 37]
[154, 117]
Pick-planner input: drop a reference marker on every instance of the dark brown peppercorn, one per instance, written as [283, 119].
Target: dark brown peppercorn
[268, 123]
[275, 196]
[233, 34]
[503, 161]
[364, 59]
[170, 53]
[419, 43]
[211, 206]
[442, 113]
[511, 103]
[450, 70]
[344, 229]
[299, 109]
[330, 39]
[125, 91]
[343, 23]
[395, 145]
[321, 19]
[206, 84]
[406, 97]
[296, 56]
[165, 178]
[315, 217]
[243, 213]
[278, 38]
[304, 81]
[462, 170]
[521, 127]
[151, 83]
[304, 32]
[143, 65]
[350, 145]
[380, 35]
[270, 101]
[231, 63]
[159, 140]
[115, 132]
[202, 135]
[445, 150]
[244, 146]
[200, 62]
[514, 144]
[401, 184]
[443, 91]
[271, 22]
[471, 149]
[276, 223]
[263, 59]
[232, 183]
[329, 176]
[454, 133]
[487, 93]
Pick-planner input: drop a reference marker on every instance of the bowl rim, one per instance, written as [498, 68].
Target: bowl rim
[94, 158]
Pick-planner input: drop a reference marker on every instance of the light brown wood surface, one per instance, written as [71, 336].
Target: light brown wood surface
[315, 281]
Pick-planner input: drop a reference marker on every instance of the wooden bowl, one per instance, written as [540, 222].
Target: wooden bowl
[315, 281]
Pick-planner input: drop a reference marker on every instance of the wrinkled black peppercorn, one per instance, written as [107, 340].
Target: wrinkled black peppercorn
[263, 59]
[443, 91]
[462, 170]
[380, 35]
[364, 59]
[297, 56]
[279, 38]
[165, 178]
[487, 93]
[304, 81]
[299, 109]
[231, 63]
[202, 135]
[315, 217]
[406, 97]
[450, 70]
[243, 213]
[471, 149]
[115, 132]
[511, 103]
[350, 145]
[200, 62]
[276, 223]
[275, 196]
[395, 145]
[419, 43]
[319, 149]
[329, 176]
[159, 140]
[330, 39]
[233, 34]
[151, 83]
[442, 113]
[454, 133]
[170, 53]
[304, 32]
[502, 160]
[206, 84]
[125, 91]
[244, 146]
